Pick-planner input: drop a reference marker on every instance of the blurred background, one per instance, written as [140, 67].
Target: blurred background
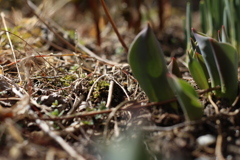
[87, 19]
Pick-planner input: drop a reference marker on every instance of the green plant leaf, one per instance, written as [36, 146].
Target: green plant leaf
[198, 73]
[149, 67]
[221, 60]
[208, 56]
[227, 63]
[202, 63]
[187, 97]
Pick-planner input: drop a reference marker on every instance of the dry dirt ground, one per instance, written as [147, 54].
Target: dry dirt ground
[64, 97]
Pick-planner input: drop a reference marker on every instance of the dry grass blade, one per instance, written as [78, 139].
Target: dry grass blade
[110, 91]
[10, 43]
[112, 114]
[71, 151]
[218, 150]
[113, 25]
[83, 48]
[93, 113]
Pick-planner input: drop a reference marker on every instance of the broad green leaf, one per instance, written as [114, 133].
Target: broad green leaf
[149, 67]
[198, 73]
[187, 98]
[221, 60]
[227, 63]
[208, 56]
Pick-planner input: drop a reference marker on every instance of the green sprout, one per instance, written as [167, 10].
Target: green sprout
[214, 14]
[149, 68]
[55, 112]
[55, 103]
[187, 97]
[221, 60]
[74, 68]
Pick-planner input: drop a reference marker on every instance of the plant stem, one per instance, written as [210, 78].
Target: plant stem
[114, 26]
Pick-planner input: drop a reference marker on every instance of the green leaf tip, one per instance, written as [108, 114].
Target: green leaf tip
[187, 98]
[174, 68]
[227, 64]
[197, 70]
[208, 56]
[221, 60]
[149, 66]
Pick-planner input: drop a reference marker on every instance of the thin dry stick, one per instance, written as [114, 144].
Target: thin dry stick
[209, 90]
[10, 98]
[187, 123]
[179, 125]
[13, 130]
[90, 53]
[218, 150]
[110, 92]
[122, 88]
[10, 43]
[91, 89]
[83, 48]
[37, 56]
[112, 114]
[52, 30]
[236, 100]
[93, 113]
[1, 70]
[213, 104]
[73, 153]
[114, 26]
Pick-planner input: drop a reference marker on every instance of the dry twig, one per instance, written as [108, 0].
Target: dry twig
[71, 151]
[10, 43]
[114, 26]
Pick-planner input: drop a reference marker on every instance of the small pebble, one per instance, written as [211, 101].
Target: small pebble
[229, 157]
[237, 142]
[237, 133]
[229, 138]
[203, 158]
[206, 140]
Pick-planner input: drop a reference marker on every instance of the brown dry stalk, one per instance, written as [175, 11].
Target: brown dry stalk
[135, 105]
[69, 149]
[114, 26]
[83, 48]
[213, 104]
[218, 149]
[10, 43]
[209, 90]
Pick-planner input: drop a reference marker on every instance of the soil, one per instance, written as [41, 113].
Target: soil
[66, 94]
